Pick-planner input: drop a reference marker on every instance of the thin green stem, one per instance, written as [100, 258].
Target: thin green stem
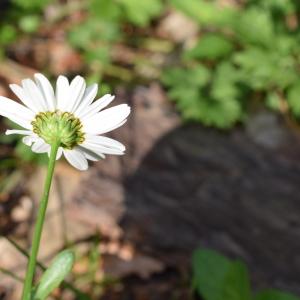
[27, 289]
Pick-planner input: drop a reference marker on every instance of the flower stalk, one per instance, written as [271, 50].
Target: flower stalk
[27, 289]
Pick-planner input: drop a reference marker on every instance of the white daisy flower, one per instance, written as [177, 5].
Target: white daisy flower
[69, 114]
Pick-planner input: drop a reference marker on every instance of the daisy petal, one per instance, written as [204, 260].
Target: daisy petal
[107, 119]
[101, 149]
[46, 90]
[32, 91]
[62, 92]
[39, 146]
[19, 92]
[77, 88]
[87, 98]
[76, 158]
[96, 106]
[23, 132]
[92, 155]
[29, 140]
[16, 112]
[59, 153]
[104, 142]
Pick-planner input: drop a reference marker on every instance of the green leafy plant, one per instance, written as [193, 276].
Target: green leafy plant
[215, 277]
[251, 50]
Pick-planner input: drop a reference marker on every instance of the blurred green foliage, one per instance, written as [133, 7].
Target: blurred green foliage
[18, 18]
[242, 52]
[260, 52]
[215, 277]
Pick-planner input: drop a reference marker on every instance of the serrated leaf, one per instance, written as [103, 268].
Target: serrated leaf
[139, 12]
[224, 83]
[86, 35]
[222, 114]
[214, 103]
[55, 274]
[211, 46]
[293, 98]
[274, 295]
[255, 26]
[194, 77]
[262, 69]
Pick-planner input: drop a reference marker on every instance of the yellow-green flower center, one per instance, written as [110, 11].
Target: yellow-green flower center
[63, 126]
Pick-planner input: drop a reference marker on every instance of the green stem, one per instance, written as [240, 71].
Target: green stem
[27, 289]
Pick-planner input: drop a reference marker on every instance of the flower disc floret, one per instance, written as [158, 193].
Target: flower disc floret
[57, 125]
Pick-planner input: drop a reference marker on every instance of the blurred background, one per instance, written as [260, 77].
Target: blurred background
[213, 148]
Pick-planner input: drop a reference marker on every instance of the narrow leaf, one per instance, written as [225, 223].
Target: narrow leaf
[55, 274]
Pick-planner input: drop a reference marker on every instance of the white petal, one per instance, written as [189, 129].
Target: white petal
[23, 97]
[76, 158]
[32, 91]
[92, 155]
[23, 132]
[104, 142]
[39, 146]
[106, 120]
[29, 140]
[96, 106]
[46, 90]
[59, 152]
[77, 88]
[101, 149]
[87, 98]
[62, 92]
[16, 112]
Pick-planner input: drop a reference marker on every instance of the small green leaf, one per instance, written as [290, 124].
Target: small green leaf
[274, 295]
[209, 273]
[139, 12]
[55, 274]
[105, 9]
[206, 12]
[255, 26]
[211, 46]
[29, 23]
[237, 282]
[193, 77]
[219, 278]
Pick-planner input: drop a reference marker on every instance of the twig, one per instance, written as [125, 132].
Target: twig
[11, 274]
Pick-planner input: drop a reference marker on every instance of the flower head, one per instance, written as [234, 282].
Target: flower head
[68, 115]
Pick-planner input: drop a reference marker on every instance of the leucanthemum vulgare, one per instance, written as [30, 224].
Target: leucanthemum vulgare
[67, 116]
